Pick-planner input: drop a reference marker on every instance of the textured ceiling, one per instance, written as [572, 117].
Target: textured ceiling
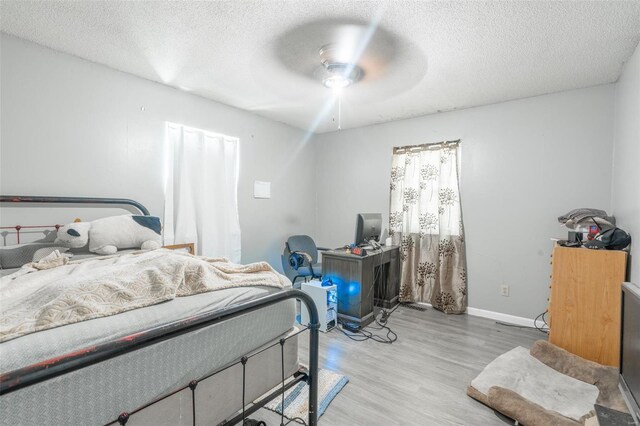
[419, 57]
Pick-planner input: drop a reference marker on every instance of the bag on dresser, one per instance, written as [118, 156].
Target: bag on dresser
[610, 239]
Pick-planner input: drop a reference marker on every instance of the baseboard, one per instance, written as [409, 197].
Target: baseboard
[510, 319]
[497, 316]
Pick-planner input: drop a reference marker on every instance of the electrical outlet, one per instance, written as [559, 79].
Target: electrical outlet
[504, 290]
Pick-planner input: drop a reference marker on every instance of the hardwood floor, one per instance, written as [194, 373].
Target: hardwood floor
[422, 378]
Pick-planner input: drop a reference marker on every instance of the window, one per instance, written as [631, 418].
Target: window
[201, 192]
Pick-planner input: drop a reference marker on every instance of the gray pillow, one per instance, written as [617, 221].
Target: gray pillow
[49, 237]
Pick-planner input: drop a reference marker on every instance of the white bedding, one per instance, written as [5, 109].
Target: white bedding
[96, 394]
[81, 290]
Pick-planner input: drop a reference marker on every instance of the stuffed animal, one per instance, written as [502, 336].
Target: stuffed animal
[108, 235]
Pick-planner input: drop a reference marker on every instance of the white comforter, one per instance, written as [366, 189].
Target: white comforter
[82, 290]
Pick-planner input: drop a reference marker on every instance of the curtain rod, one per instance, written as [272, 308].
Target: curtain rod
[424, 146]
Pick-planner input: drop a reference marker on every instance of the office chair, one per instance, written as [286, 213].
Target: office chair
[300, 258]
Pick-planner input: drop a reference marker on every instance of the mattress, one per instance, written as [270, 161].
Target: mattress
[97, 394]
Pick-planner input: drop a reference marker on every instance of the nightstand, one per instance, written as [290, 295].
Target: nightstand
[188, 247]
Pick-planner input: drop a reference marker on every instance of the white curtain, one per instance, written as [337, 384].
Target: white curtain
[425, 220]
[201, 193]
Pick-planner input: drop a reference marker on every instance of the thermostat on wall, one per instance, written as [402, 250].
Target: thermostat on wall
[261, 189]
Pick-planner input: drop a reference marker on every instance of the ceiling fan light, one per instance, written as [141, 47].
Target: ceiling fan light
[340, 75]
[336, 82]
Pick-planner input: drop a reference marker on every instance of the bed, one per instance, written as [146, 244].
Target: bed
[199, 359]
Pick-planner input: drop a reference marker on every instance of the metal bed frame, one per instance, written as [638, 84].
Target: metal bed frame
[51, 368]
[65, 200]
[74, 200]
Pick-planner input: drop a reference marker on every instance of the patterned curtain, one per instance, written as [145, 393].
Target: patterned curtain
[425, 220]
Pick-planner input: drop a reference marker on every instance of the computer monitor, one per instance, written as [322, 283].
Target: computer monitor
[630, 349]
[368, 228]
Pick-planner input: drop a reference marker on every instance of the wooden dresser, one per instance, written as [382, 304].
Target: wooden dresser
[585, 302]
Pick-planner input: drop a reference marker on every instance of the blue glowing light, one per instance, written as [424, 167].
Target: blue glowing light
[345, 289]
[332, 296]
[348, 293]
[353, 288]
[333, 280]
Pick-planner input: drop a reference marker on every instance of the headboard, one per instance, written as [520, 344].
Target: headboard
[73, 200]
[19, 199]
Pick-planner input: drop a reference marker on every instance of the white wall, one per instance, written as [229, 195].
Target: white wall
[625, 199]
[75, 128]
[72, 127]
[524, 163]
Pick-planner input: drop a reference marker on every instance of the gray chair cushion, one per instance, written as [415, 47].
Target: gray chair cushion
[304, 270]
[305, 244]
[301, 244]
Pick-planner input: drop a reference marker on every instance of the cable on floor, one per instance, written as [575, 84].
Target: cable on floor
[364, 334]
[543, 329]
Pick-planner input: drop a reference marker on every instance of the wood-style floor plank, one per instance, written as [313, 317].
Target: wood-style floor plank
[422, 378]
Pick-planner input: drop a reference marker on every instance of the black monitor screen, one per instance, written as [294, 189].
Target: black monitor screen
[368, 228]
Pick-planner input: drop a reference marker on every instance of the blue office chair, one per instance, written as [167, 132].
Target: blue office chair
[300, 258]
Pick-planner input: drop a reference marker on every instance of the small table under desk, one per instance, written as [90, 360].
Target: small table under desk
[363, 281]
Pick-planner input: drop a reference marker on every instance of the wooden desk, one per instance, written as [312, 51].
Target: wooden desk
[363, 281]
